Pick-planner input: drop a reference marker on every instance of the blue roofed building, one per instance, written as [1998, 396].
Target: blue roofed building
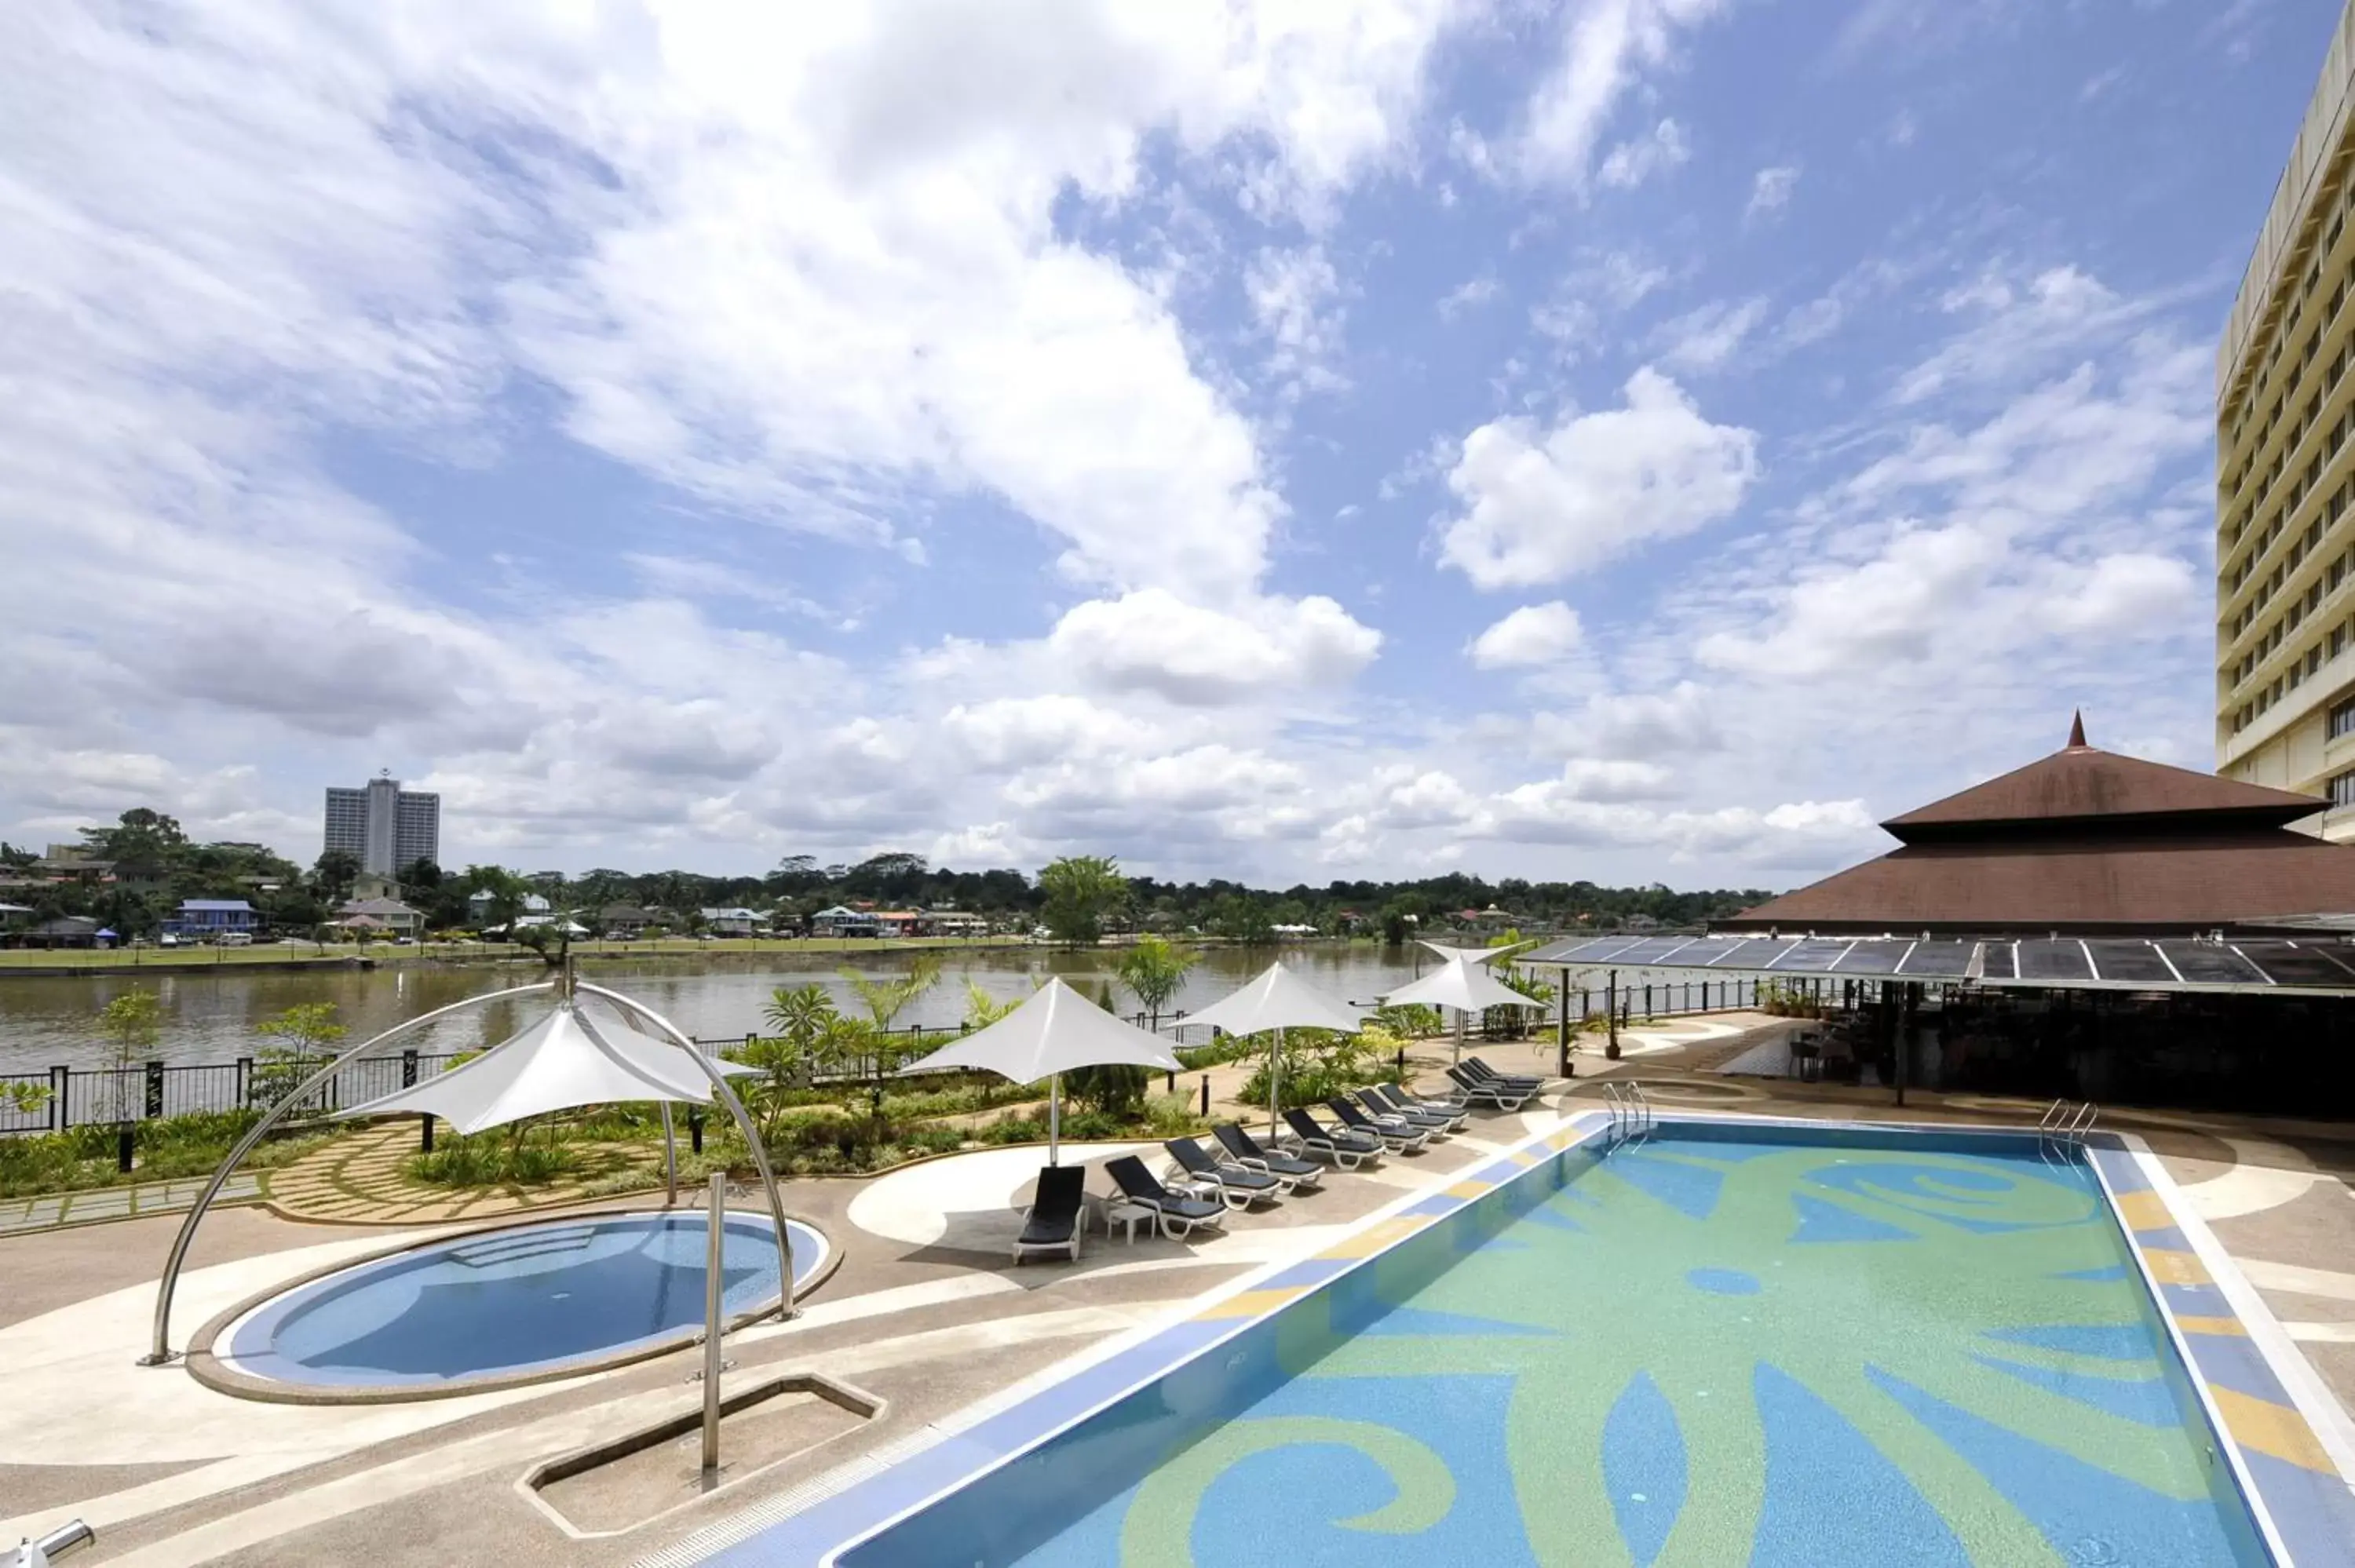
[203, 919]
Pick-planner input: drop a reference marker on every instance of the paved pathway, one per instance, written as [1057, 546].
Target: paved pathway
[360, 1181]
[124, 1203]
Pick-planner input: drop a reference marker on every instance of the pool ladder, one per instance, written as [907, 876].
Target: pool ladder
[1631, 1112]
[2064, 1126]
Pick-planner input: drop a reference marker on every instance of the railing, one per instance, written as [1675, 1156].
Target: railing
[2064, 1126]
[66, 1097]
[1631, 1113]
[1668, 1000]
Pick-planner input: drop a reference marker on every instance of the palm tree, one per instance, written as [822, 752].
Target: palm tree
[1152, 971]
[887, 998]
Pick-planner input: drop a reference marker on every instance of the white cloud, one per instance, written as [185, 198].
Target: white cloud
[1543, 504]
[1464, 296]
[2125, 596]
[1606, 47]
[1153, 641]
[1294, 298]
[1535, 634]
[1633, 161]
[1770, 190]
[1705, 338]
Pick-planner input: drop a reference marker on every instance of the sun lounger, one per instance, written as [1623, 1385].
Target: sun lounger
[1382, 1100]
[1400, 1134]
[1481, 1070]
[1054, 1221]
[1177, 1215]
[1341, 1145]
[1503, 1097]
[1242, 1150]
[1239, 1188]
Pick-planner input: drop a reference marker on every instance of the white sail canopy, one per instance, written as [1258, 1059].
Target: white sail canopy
[1464, 986]
[1276, 999]
[564, 1060]
[1055, 1030]
[1473, 955]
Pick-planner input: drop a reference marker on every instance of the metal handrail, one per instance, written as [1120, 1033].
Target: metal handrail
[2083, 1122]
[2054, 1114]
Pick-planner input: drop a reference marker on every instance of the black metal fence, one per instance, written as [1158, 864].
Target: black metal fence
[64, 1097]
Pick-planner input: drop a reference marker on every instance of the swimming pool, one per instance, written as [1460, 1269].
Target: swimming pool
[494, 1307]
[1738, 1342]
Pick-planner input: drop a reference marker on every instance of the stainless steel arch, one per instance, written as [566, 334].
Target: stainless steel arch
[160, 1353]
[727, 1096]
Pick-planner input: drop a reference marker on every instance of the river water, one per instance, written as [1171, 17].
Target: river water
[48, 1021]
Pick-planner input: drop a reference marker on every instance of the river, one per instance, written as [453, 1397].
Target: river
[50, 1021]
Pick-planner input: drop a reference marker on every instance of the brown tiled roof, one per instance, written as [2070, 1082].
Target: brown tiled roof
[2183, 883]
[2081, 783]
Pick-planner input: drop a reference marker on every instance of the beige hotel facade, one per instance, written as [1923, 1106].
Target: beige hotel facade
[2285, 475]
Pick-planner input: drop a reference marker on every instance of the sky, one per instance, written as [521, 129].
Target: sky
[1630, 440]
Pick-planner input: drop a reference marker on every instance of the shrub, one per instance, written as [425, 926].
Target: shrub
[492, 1162]
[1112, 1090]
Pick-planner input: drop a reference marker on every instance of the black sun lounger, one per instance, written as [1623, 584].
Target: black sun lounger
[1396, 1132]
[1239, 1188]
[1054, 1222]
[1339, 1144]
[1380, 1103]
[1177, 1213]
[1480, 1069]
[1504, 1096]
[1242, 1148]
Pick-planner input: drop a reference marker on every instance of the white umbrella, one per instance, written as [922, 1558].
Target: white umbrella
[1055, 1030]
[1472, 955]
[564, 1060]
[1464, 987]
[1276, 1000]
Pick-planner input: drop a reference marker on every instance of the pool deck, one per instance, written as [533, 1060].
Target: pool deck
[924, 1312]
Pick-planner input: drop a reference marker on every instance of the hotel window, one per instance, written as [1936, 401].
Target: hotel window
[2342, 788]
[2314, 659]
[2342, 718]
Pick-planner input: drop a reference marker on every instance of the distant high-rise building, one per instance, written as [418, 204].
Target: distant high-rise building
[387, 827]
[2285, 474]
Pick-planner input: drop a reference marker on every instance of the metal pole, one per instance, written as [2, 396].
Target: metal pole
[160, 1351]
[717, 1227]
[1055, 1119]
[1562, 1027]
[1610, 1014]
[670, 1160]
[726, 1096]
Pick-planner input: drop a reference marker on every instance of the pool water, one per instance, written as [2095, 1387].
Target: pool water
[520, 1301]
[1702, 1348]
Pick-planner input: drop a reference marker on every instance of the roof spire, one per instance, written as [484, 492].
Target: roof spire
[2077, 730]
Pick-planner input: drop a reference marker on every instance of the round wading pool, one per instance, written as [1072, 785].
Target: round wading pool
[496, 1307]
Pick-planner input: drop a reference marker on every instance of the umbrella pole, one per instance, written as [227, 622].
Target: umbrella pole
[670, 1160]
[1274, 1077]
[1459, 1037]
[1055, 1119]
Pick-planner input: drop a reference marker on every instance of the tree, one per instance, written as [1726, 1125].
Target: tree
[506, 892]
[132, 1025]
[1239, 917]
[800, 1015]
[333, 873]
[1153, 970]
[142, 843]
[1079, 890]
[304, 1032]
[886, 999]
[982, 1010]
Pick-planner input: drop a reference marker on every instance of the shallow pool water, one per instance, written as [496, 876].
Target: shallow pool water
[1699, 1349]
[524, 1299]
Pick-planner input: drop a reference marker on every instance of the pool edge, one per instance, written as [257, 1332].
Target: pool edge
[2294, 1529]
[221, 1375]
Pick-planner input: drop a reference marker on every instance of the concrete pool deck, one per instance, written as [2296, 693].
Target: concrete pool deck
[924, 1312]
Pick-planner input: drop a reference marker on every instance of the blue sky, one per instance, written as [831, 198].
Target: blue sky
[1623, 439]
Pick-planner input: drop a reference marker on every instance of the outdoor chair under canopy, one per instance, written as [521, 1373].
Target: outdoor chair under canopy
[1054, 1030]
[1273, 1000]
